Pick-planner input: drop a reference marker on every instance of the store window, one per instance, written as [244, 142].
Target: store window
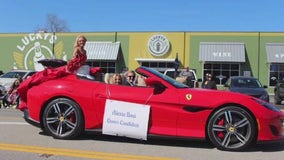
[107, 67]
[221, 71]
[159, 66]
[276, 72]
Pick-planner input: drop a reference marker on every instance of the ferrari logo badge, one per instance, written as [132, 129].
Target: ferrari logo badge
[188, 96]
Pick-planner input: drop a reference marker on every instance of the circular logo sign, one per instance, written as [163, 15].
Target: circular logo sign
[158, 45]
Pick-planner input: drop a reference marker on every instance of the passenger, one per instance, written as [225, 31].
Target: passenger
[107, 78]
[141, 81]
[130, 77]
[116, 79]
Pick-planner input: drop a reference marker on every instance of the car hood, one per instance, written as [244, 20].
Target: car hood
[208, 98]
[7, 82]
[250, 91]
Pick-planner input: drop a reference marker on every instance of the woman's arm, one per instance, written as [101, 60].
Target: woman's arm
[75, 52]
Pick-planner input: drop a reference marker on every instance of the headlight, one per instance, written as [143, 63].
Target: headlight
[264, 96]
[267, 105]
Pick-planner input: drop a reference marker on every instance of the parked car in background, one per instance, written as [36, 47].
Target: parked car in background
[247, 85]
[2, 92]
[7, 79]
[279, 92]
[190, 80]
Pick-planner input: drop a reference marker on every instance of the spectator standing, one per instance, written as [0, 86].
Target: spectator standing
[189, 78]
[185, 72]
[210, 83]
[11, 98]
[205, 78]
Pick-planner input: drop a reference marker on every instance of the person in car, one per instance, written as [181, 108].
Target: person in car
[116, 79]
[130, 78]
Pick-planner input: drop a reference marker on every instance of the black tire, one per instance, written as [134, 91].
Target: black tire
[63, 119]
[231, 128]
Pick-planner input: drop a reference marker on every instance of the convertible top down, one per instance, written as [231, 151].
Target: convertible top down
[67, 106]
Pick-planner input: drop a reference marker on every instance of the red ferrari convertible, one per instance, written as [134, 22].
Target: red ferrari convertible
[66, 107]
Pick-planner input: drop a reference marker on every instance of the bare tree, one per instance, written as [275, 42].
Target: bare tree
[54, 24]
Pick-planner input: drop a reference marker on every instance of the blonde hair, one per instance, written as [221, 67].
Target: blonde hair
[77, 40]
[116, 75]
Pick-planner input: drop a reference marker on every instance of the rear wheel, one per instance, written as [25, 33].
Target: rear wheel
[63, 119]
[231, 128]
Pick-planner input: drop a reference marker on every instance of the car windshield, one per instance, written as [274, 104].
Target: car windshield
[246, 83]
[166, 78]
[13, 74]
[172, 73]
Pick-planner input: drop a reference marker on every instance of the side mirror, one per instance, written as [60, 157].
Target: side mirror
[153, 82]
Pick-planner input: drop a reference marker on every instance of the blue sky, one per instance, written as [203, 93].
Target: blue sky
[25, 16]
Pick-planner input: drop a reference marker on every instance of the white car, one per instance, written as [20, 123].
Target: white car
[7, 79]
[189, 79]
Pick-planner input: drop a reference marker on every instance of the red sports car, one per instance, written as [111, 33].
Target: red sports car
[66, 107]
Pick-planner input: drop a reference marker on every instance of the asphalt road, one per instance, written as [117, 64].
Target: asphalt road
[21, 141]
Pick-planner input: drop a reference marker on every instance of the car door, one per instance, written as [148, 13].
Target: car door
[163, 106]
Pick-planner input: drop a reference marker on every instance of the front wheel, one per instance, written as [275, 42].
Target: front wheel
[63, 119]
[231, 128]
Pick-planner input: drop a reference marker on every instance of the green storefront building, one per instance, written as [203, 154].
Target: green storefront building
[223, 54]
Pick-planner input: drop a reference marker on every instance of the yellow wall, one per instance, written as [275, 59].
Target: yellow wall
[138, 46]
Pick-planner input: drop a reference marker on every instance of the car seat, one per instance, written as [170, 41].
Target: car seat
[84, 71]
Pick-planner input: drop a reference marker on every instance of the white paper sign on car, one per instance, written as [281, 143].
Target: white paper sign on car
[126, 119]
